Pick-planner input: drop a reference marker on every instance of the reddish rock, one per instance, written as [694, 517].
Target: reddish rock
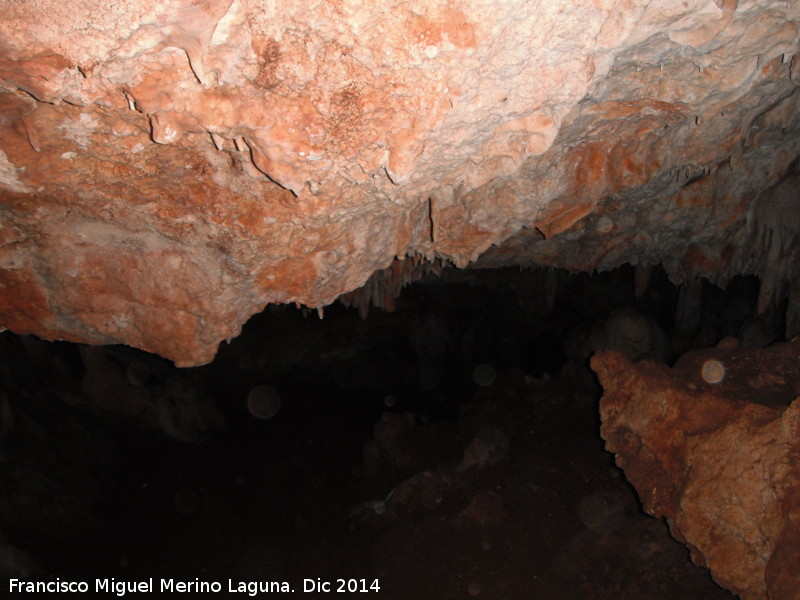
[720, 461]
[168, 168]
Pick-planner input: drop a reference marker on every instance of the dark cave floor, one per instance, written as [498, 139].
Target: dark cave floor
[428, 450]
[516, 498]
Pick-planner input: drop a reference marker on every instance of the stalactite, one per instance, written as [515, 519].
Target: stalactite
[774, 229]
[793, 309]
[641, 280]
[689, 306]
[537, 290]
[384, 286]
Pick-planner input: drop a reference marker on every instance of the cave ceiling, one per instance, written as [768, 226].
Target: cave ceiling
[167, 169]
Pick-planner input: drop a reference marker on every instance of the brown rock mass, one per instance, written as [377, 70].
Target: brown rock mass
[720, 461]
[169, 168]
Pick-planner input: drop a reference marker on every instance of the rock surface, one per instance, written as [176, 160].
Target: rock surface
[718, 460]
[169, 168]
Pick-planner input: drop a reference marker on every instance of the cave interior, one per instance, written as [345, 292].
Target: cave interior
[448, 448]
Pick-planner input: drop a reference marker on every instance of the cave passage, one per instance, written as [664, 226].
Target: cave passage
[448, 449]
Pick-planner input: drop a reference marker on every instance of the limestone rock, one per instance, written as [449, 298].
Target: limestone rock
[718, 459]
[168, 168]
[628, 331]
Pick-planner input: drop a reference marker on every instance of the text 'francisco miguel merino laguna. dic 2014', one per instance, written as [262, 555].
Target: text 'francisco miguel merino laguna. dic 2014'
[167, 586]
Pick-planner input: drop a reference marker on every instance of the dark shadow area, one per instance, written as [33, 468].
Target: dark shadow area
[449, 449]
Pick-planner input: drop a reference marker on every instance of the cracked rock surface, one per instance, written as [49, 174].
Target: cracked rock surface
[712, 446]
[167, 169]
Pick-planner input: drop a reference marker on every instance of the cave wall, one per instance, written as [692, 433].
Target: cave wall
[167, 169]
[712, 446]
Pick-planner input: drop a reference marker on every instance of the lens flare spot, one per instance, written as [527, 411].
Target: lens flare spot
[484, 374]
[713, 371]
[263, 402]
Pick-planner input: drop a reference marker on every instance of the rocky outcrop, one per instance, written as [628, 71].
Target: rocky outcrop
[169, 168]
[713, 446]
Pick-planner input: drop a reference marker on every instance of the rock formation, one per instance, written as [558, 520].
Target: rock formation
[167, 169]
[713, 446]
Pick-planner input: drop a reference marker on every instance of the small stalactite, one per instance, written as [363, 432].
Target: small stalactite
[641, 280]
[793, 309]
[688, 310]
[774, 231]
[384, 286]
[537, 291]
